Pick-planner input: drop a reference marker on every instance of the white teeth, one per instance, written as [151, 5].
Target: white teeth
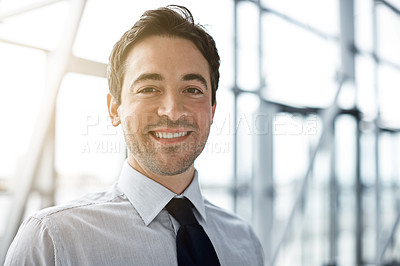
[169, 135]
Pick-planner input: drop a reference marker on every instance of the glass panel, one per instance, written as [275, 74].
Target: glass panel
[363, 24]
[394, 3]
[368, 157]
[41, 27]
[389, 94]
[246, 132]
[219, 148]
[345, 141]
[387, 159]
[89, 150]
[11, 5]
[346, 237]
[291, 142]
[388, 34]
[300, 68]
[220, 197]
[366, 93]
[248, 57]
[105, 21]
[322, 15]
[21, 86]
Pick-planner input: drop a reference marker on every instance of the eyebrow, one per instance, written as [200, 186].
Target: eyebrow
[158, 77]
[148, 76]
[193, 76]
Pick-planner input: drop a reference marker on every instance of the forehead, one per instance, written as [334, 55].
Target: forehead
[166, 53]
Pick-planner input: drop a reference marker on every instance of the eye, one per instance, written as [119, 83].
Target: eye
[147, 90]
[193, 90]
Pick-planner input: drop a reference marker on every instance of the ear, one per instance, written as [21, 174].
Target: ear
[213, 109]
[113, 110]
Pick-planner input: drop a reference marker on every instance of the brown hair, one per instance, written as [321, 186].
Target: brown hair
[172, 20]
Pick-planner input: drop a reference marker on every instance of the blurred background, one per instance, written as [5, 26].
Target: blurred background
[305, 142]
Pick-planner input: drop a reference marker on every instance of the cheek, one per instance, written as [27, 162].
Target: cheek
[203, 116]
[130, 119]
[147, 112]
[143, 112]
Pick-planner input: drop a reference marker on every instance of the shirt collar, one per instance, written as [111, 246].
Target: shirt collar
[149, 197]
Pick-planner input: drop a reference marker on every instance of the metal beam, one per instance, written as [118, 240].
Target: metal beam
[87, 67]
[302, 25]
[359, 223]
[263, 180]
[333, 197]
[378, 59]
[388, 5]
[390, 238]
[76, 64]
[387, 126]
[45, 182]
[295, 22]
[25, 177]
[328, 115]
[347, 39]
[27, 8]
[22, 44]
[347, 29]
[376, 139]
[235, 90]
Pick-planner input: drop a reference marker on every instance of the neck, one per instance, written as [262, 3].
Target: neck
[175, 183]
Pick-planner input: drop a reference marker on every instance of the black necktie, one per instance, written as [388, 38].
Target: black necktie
[192, 243]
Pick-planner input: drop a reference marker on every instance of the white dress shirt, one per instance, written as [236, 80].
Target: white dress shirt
[128, 225]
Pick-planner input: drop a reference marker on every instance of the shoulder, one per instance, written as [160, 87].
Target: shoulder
[40, 238]
[219, 214]
[33, 244]
[242, 238]
[228, 221]
[92, 201]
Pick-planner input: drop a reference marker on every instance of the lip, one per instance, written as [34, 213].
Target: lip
[168, 133]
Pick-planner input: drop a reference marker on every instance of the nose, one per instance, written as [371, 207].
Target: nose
[172, 106]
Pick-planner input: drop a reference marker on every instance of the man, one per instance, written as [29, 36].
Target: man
[163, 75]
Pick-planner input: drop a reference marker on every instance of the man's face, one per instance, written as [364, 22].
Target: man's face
[165, 109]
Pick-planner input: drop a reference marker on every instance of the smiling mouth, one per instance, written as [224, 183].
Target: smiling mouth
[169, 135]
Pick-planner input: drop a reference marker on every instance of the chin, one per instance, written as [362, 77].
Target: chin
[167, 170]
